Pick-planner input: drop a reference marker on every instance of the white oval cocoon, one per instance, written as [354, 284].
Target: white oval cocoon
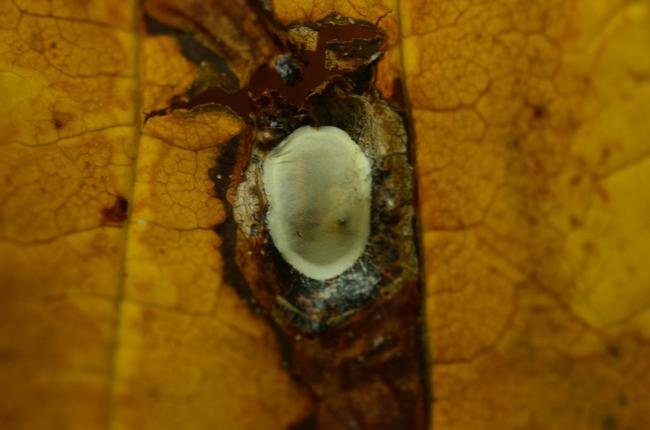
[318, 184]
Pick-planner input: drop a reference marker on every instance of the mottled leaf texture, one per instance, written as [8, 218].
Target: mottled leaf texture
[529, 125]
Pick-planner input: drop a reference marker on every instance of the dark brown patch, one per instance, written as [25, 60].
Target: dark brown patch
[311, 70]
[515, 142]
[117, 213]
[614, 351]
[539, 111]
[609, 422]
[605, 154]
[61, 119]
[574, 221]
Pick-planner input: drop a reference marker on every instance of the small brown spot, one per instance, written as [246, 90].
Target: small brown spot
[60, 119]
[532, 220]
[614, 351]
[539, 111]
[117, 213]
[605, 154]
[574, 221]
[609, 422]
[514, 142]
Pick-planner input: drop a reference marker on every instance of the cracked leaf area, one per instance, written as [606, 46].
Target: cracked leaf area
[114, 309]
[531, 153]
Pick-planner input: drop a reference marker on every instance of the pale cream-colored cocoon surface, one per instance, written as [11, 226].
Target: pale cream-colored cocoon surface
[318, 185]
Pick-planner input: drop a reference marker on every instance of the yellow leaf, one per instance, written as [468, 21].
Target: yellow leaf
[530, 133]
[531, 150]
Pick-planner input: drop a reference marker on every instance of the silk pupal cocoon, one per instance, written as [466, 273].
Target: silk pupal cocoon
[318, 187]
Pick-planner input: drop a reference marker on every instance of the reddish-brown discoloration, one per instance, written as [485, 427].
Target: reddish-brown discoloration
[117, 213]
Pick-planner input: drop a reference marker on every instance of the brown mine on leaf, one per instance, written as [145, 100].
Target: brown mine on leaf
[354, 340]
[355, 335]
[295, 90]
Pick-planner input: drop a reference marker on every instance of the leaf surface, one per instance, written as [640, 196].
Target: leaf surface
[530, 137]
